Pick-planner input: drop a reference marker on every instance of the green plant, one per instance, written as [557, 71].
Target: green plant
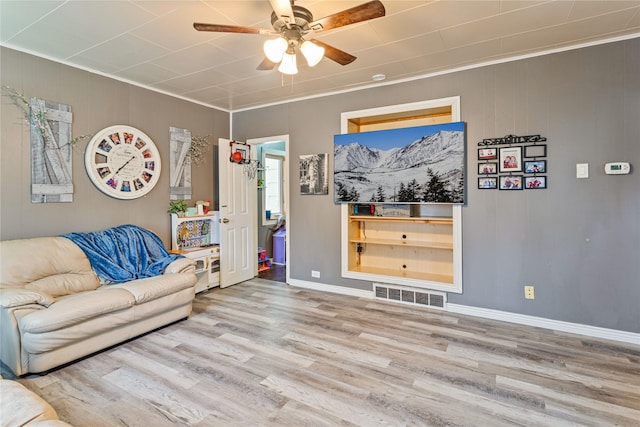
[177, 206]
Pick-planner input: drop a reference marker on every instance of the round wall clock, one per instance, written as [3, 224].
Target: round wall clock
[122, 162]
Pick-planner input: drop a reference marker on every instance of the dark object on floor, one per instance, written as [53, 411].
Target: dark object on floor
[276, 273]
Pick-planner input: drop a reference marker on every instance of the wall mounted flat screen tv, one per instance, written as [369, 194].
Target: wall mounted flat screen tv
[423, 164]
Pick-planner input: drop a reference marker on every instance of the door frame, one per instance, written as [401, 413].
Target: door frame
[286, 189]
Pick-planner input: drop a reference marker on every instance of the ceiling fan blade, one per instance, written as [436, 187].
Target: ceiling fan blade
[230, 29]
[283, 10]
[335, 54]
[266, 65]
[364, 12]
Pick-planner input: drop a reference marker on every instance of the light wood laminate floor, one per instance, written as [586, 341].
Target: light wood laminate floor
[263, 353]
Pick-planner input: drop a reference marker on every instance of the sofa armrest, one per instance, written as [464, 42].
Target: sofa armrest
[181, 265]
[11, 352]
[21, 406]
[15, 297]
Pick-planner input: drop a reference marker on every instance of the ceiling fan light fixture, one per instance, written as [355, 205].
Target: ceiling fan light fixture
[311, 52]
[288, 64]
[274, 49]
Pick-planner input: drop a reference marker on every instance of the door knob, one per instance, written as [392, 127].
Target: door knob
[225, 220]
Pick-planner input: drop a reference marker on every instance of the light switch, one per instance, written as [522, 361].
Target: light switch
[582, 170]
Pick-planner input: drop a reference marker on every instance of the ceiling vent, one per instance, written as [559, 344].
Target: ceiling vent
[416, 297]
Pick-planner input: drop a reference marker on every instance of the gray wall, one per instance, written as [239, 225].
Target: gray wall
[96, 102]
[577, 242]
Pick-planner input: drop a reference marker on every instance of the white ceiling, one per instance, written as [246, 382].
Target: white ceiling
[153, 43]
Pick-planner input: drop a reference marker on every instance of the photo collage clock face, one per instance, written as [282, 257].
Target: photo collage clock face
[123, 162]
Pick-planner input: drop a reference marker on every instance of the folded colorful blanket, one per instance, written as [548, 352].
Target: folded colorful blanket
[123, 253]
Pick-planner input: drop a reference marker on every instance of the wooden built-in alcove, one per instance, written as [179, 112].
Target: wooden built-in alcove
[421, 261]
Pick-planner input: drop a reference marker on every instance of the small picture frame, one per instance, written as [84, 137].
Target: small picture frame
[535, 182]
[511, 182]
[487, 168]
[488, 183]
[487, 153]
[535, 166]
[511, 159]
[538, 150]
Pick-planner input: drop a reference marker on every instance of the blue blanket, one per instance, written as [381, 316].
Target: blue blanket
[123, 253]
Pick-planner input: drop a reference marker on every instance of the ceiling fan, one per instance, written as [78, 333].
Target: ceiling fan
[292, 23]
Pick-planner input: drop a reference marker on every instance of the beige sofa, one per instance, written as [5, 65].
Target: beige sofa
[22, 407]
[53, 309]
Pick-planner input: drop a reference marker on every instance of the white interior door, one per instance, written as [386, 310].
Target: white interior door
[237, 220]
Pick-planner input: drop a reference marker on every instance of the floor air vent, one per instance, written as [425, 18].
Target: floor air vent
[394, 294]
[411, 296]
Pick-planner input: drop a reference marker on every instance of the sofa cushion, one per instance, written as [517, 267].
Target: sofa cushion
[65, 284]
[74, 309]
[144, 290]
[54, 265]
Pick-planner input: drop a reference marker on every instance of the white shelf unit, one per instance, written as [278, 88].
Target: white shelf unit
[194, 231]
[418, 251]
[197, 237]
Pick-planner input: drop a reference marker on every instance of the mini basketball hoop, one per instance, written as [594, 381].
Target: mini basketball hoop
[240, 152]
[251, 168]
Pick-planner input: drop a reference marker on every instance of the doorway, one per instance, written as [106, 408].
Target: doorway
[272, 207]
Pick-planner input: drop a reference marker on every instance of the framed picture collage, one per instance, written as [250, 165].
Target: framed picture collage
[512, 163]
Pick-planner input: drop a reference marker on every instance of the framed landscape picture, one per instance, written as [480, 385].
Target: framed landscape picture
[314, 174]
[422, 164]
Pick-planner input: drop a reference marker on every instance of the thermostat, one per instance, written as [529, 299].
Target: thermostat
[617, 168]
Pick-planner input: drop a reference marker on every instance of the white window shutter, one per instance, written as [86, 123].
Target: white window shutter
[51, 152]
[179, 164]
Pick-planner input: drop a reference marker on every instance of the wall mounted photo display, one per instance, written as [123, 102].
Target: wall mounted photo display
[537, 150]
[487, 153]
[511, 182]
[535, 166]
[488, 183]
[510, 159]
[535, 182]
[314, 174]
[488, 168]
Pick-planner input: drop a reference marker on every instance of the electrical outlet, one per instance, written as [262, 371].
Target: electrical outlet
[582, 170]
[529, 292]
[315, 274]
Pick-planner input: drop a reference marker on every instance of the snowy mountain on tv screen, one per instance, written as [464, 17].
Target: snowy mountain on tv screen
[362, 168]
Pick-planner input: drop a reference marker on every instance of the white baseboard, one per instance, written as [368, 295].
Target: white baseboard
[541, 322]
[505, 316]
[360, 293]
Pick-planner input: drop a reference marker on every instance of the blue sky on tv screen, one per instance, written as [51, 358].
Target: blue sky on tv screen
[392, 138]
